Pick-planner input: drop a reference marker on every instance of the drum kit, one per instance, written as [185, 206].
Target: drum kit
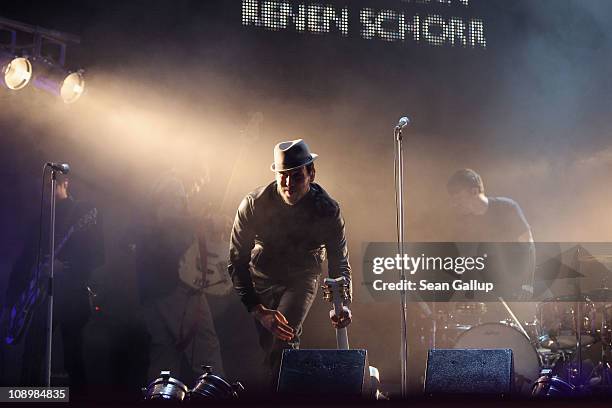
[564, 350]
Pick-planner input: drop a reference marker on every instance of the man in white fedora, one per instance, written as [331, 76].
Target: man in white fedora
[282, 233]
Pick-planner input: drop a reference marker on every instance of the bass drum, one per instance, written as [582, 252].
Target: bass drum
[501, 336]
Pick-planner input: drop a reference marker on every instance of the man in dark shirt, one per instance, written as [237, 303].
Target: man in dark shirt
[78, 223]
[486, 220]
[496, 219]
[281, 235]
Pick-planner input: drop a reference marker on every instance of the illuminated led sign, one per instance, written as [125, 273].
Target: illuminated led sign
[392, 25]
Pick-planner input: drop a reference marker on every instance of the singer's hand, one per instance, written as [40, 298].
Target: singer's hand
[274, 322]
[345, 318]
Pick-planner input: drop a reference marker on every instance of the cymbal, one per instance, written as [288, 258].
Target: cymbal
[596, 258]
[555, 269]
[566, 298]
[600, 295]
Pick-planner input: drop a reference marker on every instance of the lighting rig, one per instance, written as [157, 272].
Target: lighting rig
[40, 60]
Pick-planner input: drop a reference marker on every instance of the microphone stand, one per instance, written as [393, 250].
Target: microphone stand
[50, 283]
[400, 226]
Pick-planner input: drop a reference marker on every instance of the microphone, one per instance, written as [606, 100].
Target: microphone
[63, 168]
[403, 122]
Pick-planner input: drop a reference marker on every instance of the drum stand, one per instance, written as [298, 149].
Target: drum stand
[578, 327]
[603, 370]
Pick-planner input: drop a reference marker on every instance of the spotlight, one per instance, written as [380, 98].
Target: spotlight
[57, 81]
[165, 388]
[213, 386]
[16, 72]
[72, 87]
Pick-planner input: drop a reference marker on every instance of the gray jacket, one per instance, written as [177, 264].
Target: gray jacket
[281, 243]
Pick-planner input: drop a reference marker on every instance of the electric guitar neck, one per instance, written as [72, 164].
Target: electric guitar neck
[336, 292]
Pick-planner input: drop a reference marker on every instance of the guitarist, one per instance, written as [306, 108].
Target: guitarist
[177, 316]
[82, 253]
[281, 235]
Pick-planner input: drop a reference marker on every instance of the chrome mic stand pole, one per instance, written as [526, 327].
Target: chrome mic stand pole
[399, 177]
[50, 283]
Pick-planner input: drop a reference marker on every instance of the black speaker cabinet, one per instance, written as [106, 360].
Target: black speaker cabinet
[324, 373]
[469, 371]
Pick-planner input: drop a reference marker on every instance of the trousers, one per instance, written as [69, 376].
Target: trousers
[293, 298]
[183, 335]
[71, 314]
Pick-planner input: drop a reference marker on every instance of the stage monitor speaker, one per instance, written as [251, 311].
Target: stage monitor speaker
[469, 371]
[324, 373]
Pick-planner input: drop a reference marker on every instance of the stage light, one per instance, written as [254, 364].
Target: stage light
[16, 71]
[72, 87]
[213, 386]
[165, 388]
[56, 80]
[45, 73]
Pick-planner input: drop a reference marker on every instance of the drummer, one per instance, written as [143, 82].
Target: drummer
[481, 220]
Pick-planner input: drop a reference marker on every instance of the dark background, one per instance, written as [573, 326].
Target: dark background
[182, 86]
